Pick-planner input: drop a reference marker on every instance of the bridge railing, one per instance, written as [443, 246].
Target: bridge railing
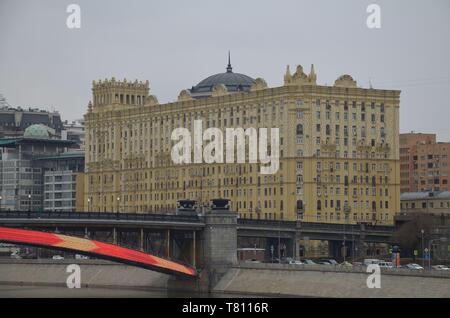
[98, 216]
[270, 223]
[314, 225]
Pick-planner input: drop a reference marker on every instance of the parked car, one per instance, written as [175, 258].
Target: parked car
[385, 265]
[29, 256]
[414, 266]
[440, 267]
[324, 263]
[369, 261]
[295, 262]
[309, 262]
[16, 255]
[58, 257]
[329, 261]
[78, 256]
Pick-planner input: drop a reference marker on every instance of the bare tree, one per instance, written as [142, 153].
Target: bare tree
[408, 235]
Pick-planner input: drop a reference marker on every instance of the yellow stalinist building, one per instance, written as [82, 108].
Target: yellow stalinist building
[339, 148]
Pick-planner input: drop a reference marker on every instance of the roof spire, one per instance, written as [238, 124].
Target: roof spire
[229, 68]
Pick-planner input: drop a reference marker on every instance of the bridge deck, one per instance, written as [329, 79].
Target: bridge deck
[94, 248]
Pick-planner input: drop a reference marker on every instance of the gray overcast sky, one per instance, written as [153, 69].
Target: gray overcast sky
[175, 44]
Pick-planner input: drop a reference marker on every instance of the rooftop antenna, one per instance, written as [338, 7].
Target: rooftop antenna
[229, 68]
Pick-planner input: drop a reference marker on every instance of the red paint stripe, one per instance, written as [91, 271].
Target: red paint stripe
[27, 236]
[105, 249]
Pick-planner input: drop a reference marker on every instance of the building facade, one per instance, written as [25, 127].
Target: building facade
[21, 177]
[14, 121]
[424, 163]
[432, 202]
[339, 148]
[74, 131]
[61, 173]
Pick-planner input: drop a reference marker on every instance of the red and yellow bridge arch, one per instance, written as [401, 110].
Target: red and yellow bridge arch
[94, 248]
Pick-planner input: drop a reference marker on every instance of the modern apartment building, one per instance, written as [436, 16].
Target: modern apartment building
[339, 148]
[424, 163]
[61, 174]
[21, 178]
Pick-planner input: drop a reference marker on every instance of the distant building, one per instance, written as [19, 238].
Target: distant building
[436, 202]
[424, 163]
[14, 121]
[339, 148]
[21, 178]
[74, 131]
[62, 173]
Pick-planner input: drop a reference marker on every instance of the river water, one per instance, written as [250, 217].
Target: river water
[13, 291]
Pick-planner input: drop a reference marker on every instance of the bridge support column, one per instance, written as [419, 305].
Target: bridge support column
[168, 243]
[114, 236]
[141, 241]
[220, 241]
[194, 247]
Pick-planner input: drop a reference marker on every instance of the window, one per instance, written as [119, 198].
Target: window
[299, 130]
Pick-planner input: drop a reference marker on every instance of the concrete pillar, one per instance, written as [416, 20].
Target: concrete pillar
[168, 243]
[220, 243]
[296, 247]
[194, 247]
[86, 232]
[114, 236]
[141, 245]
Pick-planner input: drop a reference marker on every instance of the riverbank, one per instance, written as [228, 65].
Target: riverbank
[246, 280]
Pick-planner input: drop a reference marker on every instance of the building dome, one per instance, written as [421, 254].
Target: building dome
[234, 82]
[37, 131]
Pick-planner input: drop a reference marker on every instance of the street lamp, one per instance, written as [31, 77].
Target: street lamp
[346, 215]
[29, 203]
[118, 204]
[423, 254]
[89, 204]
[441, 239]
[1, 203]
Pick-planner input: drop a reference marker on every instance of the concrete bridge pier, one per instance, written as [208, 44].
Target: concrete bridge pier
[219, 242]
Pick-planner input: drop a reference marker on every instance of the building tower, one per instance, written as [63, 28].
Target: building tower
[112, 92]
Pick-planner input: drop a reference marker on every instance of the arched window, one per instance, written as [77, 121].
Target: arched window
[319, 205]
[299, 205]
[299, 130]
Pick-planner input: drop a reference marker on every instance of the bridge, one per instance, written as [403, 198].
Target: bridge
[175, 236]
[94, 248]
[207, 242]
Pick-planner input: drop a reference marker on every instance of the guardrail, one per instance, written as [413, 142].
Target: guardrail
[315, 225]
[32, 215]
